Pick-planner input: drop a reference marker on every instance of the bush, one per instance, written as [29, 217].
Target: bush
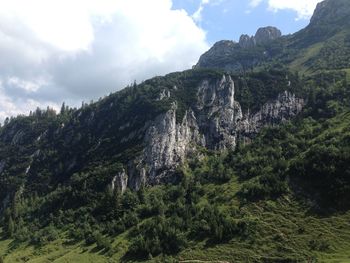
[102, 242]
[22, 234]
[157, 236]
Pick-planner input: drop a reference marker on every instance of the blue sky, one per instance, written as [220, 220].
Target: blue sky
[228, 19]
[101, 46]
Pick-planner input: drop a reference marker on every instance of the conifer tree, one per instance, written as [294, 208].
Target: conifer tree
[10, 227]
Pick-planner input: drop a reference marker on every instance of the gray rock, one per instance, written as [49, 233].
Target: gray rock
[216, 122]
[168, 143]
[330, 12]
[120, 181]
[218, 52]
[267, 34]
[164, 94]
[283, 108]
[219, 113]
[246, 41]
[227, 54]
[136, 173]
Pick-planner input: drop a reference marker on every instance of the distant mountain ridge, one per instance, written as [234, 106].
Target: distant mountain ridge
[329, 24]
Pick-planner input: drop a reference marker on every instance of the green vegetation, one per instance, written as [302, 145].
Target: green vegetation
[284, 197]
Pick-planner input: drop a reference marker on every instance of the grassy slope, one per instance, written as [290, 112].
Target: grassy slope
[298, 63]
[314, 53]
[60, 251]
[284, 228]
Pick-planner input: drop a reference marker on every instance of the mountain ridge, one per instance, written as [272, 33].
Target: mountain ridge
[248, 161]
[330, 21]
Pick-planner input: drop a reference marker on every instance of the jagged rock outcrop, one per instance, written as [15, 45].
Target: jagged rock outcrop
[137, 173]
[266, 34]
[262, 36]
[228, 54]
[246, 41]
[168, 143]
[218, 113]
[120, 181]
[283, 108]
[164, 94]
[219, 56]
[216, 122]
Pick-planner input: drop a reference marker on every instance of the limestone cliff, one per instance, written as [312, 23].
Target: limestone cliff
[216, 122]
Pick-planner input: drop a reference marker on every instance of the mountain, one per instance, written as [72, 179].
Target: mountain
[244, 158]
[322, 45]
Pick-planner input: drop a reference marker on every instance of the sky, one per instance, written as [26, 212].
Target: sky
[54, 51]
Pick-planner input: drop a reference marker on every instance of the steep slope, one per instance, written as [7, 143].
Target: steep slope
[248, 165]
[149, 136]
[282, 198]
[239, 57]
[322, 45]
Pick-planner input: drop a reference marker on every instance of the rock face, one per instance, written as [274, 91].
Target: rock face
[228, 55]
[262, 36]
[266, 34]
[284, 108]
[120, 181]
[218, 113]
[331, 12]
[168, 143]
[216, 122]
[220, 52]
[246, 41]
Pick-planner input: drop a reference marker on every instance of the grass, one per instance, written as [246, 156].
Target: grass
[298, 64]
[283, 229]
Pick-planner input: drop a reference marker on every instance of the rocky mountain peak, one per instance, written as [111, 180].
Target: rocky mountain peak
[263, 35]
[223, 46]
[331, 12]
[266, 34]
[246, 41]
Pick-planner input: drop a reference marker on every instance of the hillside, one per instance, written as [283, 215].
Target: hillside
[322, 45]
[243, 160]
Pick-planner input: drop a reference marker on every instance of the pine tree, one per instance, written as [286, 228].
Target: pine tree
[10, 227]
[63, 109]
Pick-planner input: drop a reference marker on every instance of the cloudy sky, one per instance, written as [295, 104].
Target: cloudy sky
[76, 50]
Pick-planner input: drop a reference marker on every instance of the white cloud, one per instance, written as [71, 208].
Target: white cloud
[16, 106]
[197, 16]
[304, 8]
[255, 3]
[63, 50]
[26, 86]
